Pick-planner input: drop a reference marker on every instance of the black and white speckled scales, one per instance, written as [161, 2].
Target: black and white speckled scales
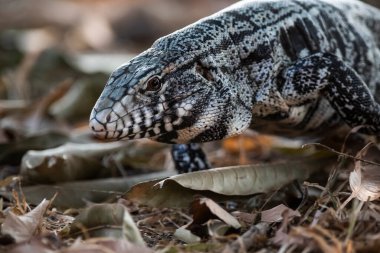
[291, 68]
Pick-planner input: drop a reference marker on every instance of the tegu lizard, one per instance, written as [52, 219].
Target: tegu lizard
[290, 68]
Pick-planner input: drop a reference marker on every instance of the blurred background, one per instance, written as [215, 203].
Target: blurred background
[44, 42]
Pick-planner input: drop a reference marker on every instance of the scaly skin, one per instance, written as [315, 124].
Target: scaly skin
[292, 68]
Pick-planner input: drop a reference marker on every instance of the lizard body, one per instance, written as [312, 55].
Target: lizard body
[292, 68]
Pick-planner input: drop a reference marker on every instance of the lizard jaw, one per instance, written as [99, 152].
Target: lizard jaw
[140, 123]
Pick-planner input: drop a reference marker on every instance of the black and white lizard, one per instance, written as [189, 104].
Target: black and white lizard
[290, 68]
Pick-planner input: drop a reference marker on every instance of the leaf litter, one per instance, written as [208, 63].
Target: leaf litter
[106, 197]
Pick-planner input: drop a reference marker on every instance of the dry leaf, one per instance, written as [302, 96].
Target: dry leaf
[33, 246]
[104, 245]
[224, 183]
[245, 217]
[281, 237]
[78, 193]
[118, 245]
[365, 179]
[69, 162]
[204, 209]
[8, 181]
[217, 228]
[276, 213]
[107, 220]
[186, 235]
[256, 236]
[209, 219]
[23, 227]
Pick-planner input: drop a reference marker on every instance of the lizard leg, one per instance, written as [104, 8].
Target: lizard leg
[189, 157]
[324, 74]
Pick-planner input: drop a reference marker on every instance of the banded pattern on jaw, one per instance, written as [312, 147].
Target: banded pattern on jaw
[115, 122]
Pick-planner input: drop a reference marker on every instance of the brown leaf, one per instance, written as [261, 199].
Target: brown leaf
[8, 181]
[281, 237]
[224, 183]
[204, 209]
[107, 220]
[245, 217]
[69, 162]
[255, 237]
[104, 245]
[186, 235]
[78, 193]
[119, 245]
[209, 219]
[23, 227]
[276, 213]
[365, 179]
[32, 246]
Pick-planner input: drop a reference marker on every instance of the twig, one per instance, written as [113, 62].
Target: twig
[340, 153]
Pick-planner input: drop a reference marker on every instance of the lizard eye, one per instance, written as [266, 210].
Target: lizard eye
[153, 84]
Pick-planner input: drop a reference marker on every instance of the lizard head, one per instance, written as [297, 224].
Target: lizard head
[168, 96]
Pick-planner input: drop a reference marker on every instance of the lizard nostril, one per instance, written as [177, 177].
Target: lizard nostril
[101, 129]
[108, 117]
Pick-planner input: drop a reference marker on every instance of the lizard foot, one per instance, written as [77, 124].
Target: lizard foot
[189, 158]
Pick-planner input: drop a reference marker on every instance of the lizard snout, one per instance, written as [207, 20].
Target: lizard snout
[99, 123]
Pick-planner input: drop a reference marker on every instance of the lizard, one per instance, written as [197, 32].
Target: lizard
[300, 68]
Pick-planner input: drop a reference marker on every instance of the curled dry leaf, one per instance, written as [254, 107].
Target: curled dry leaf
[76, 194]
[276, 213]
[69, 162]
[204, 209]
[209, 219]
[23, 227]
[224, 183]
[107, 220]
[245, 217]
[8, 181]
[282, 237]
[186, 235]
[217, 228]
[365, 179]
[12, 153]
[105, 245]
[256, 236]
[32, 246]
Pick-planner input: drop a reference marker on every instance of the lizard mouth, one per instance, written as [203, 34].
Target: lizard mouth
[145, 129]
[140, 124]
